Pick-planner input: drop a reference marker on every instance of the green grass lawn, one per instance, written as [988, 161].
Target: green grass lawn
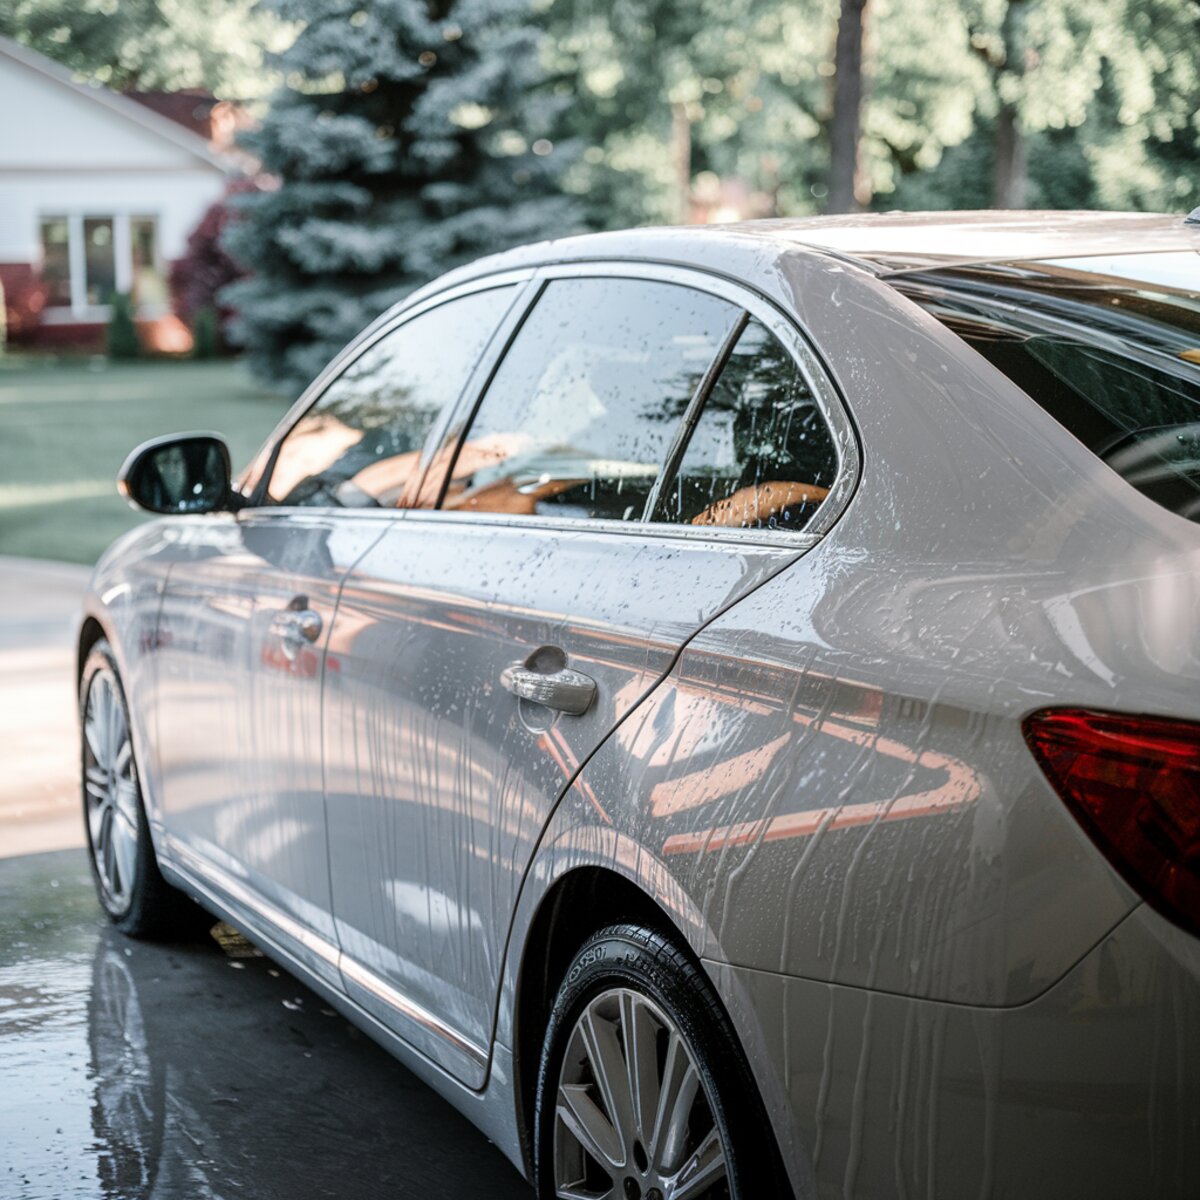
[65, 429]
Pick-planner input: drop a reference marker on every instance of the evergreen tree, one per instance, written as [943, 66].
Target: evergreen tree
[411, 136]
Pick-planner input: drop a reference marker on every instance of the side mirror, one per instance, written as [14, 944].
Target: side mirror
[183, 473]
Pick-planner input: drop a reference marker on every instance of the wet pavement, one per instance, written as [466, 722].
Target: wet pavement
[135, 1071]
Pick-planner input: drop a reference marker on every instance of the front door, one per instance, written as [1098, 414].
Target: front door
[246, 617]
[486, 649]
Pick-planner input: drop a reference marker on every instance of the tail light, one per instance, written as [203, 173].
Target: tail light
[1133, 783]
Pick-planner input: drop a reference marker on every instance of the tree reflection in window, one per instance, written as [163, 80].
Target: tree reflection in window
[361, 442]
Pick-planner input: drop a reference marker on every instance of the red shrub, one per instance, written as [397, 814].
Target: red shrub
[205, 268]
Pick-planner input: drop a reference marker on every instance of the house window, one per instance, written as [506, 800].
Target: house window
[149, 286]
[56, 261]
[87, 259]
[99, 260]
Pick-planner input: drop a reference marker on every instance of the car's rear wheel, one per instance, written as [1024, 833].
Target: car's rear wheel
[131, 889]
[643, 1092]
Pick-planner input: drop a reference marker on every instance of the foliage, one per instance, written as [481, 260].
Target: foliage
[206, 340]
[409, 137]
[1106, 96]
[153, 44]
[673, 98]
[121, 339]
[1107, 91]
[206, 266]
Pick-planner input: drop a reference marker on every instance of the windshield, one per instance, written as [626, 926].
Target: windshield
[1110, 347]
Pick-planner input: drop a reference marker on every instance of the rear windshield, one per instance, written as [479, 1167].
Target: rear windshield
[1110, 347]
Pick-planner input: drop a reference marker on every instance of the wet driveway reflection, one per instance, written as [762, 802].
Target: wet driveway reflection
[138, 1071]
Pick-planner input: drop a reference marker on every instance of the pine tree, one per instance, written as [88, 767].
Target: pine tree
[411, 136]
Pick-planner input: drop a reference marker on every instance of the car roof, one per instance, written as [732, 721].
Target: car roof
[907, 241]
[882, 243]
[885, 242]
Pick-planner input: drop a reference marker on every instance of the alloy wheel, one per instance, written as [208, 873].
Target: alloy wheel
[110, 790]
[633, 1120]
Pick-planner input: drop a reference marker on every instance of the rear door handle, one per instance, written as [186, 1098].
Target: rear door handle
[567, 691]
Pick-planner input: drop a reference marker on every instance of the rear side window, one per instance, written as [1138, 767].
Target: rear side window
[1109, 347]
[582, 412]
[761, 455]
[360, 443]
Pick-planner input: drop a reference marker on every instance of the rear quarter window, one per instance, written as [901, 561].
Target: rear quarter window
[1108, 347]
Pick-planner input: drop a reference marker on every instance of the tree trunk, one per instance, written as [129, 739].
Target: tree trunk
[681, 159]
[1009, 176]
[1009, 180]
[845, 129]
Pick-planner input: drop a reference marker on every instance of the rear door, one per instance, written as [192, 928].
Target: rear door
[593, 517]
[248, 609]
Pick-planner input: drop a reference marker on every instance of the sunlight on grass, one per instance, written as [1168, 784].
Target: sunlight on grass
[31, 495]
[65, 429]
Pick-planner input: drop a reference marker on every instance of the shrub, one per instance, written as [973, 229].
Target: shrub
[121, 340]
[206, 342]
[206, 268]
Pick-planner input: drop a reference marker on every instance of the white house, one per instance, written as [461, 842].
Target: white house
[98, 194]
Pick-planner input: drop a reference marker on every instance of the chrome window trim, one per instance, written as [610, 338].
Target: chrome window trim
[781, 324]
[771, 539]
[386, 323]
[206, 877]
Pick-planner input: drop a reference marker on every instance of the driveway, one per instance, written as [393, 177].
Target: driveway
[199, 1071]
[140, 1071]
[39, 787]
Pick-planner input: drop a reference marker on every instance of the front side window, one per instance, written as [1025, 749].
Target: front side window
[761, 455]
[581, 414]
[1108, 346]
[361, 442]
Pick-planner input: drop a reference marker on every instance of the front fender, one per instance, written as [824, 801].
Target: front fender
[122, 604]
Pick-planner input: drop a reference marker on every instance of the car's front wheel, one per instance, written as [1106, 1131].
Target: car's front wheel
[643, 1093]
[129, 884]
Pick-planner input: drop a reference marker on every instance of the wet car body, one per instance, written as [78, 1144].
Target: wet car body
[806, 754]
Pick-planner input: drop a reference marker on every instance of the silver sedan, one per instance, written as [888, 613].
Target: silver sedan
[718, 704]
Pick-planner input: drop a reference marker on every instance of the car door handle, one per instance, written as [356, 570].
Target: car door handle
[568, 691]
[296, 626]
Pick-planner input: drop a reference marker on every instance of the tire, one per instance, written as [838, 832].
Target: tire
[627, 977]
[129, 885]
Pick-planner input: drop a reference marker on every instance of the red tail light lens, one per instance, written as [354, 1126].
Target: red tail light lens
[1134, 784]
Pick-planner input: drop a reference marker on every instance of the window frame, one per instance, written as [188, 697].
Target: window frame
[79, 311]
[449, 430]
[751, 304]
[255, 480]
